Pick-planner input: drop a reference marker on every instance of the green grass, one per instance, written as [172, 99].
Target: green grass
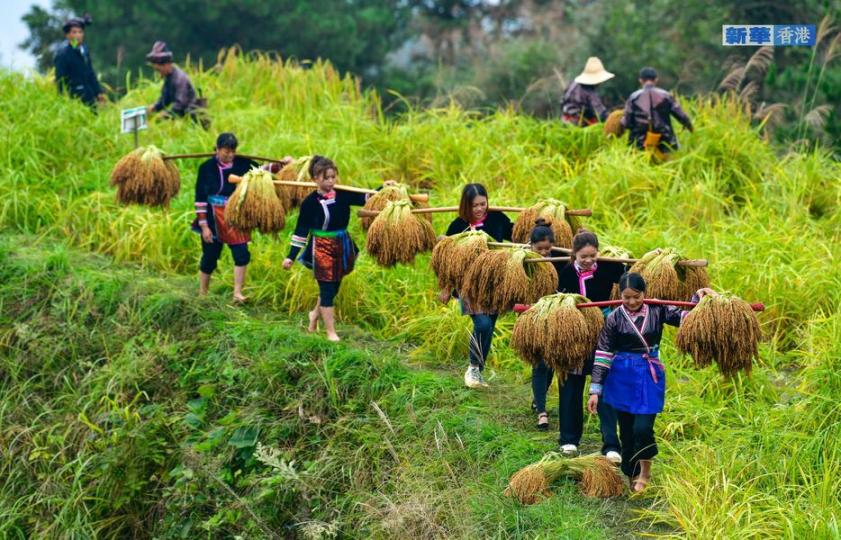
[90, 346]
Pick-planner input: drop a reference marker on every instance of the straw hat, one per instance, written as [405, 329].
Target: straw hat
[594, 72]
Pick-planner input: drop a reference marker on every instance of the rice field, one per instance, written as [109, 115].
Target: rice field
[130, 408]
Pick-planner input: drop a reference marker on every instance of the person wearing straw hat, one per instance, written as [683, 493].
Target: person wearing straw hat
[581, 105]
[74, 72]
[648, 113]
[178, 95]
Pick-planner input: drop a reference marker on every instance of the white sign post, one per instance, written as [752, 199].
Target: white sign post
[132, 121]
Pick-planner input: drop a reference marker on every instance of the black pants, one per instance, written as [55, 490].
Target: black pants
[211, 252]
[636, 431]
[480, 340]
[571, 415]
[327, 291]
[541, 380]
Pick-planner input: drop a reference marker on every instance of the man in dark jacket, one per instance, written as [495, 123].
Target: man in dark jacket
[650, 109]
[581, 105]
[178, 95]
[73, 70]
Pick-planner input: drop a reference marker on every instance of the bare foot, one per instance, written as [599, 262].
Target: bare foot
[333, 336]
[313, 327]
[240, 299]
[202, 292]
[639, 485]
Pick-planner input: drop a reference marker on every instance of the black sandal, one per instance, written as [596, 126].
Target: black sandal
[543, 421]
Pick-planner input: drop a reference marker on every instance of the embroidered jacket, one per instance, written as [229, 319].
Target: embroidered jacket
[624, 331]
[329, 212]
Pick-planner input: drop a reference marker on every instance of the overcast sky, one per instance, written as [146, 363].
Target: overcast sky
[13, 31]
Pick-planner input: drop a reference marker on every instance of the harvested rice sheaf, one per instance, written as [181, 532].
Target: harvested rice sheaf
[613, 124]
[500, 278]
[554, 212]
[296, 171]
[619, 253]
[143, 177]
[452, 256]
[665, 279]
[597, 477]
[255, 205]
[378, 201]
[721, 329]
[557, 332]
[397, 235]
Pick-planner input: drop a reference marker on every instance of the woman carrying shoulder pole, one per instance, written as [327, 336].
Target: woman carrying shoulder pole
[585, 276]
[474, 215]
[321, 232]
[541, 241]
[629, 375]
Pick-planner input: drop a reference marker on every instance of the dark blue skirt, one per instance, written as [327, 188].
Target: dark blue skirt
[629, 386]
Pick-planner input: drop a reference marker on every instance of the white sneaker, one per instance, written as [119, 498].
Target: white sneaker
[569, 449]
[473, 378]
[614, 457]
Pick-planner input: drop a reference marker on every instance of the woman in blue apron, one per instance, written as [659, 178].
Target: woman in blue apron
[321, 232]
[629, 375]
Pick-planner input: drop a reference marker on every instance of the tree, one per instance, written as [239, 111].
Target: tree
[354, 34]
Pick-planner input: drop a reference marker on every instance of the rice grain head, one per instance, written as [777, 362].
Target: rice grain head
[665, 279]
[296, 171]
[378, 201]
[601, 480]
[557, 332]
[554, 212]
[613, 124]
[255, 204]
[453, 255]
[721, 329]
[500, 278]
[529, 485]
[397, 235]
[143, 177]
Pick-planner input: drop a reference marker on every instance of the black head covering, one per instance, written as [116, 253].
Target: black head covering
[78, 22]
[160, 53]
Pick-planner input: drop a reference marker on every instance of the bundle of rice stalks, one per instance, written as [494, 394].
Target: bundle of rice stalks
[255, 204]
[143, 177]
[557, 332]
[454, 254]
[619, 253]
[397, 235]
[296, 171]
[613, 124]
[500, 278]
[667, 280]
[554, 212]
[721, 329]
[379, 200]
[597, 476]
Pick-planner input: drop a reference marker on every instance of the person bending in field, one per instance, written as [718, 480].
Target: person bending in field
[213, 189]
[581, 105]
[647, 116]
[629, 376]
[74, 72]
[178, 95]
[473, 214]
[321, 232]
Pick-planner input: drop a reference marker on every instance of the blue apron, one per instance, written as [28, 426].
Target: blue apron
[636, 383]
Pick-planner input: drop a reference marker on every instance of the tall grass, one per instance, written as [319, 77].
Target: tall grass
[758, 456]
